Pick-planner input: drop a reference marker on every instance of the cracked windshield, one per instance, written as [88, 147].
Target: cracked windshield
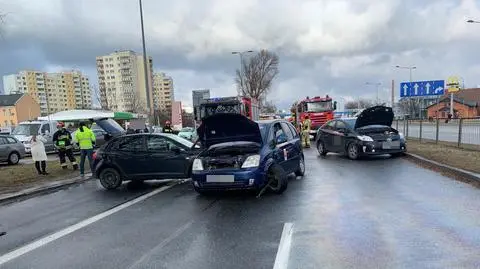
[239, 134]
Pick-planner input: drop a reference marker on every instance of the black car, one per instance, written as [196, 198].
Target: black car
[143, 157]
[368, 134]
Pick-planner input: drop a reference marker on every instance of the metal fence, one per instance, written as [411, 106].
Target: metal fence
[463, 133]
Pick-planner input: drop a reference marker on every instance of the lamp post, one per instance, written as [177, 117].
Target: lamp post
[377, 85]
[241, 53]
[145, 64]
[410, 69]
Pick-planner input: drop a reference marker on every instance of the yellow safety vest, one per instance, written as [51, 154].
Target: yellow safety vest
[86, 138]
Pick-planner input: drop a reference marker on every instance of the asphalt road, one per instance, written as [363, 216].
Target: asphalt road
[380, 213]
[448, 132]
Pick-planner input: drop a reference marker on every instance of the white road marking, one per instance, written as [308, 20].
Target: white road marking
[82, 224]
[283, 252]
[158, 247]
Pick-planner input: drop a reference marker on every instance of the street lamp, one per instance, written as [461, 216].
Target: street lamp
[147, 90]
[377, 85]
[241, 53]
[410, 68]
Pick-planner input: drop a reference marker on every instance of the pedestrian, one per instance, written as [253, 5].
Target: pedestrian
[167, 128]
[39, 154]
[86, 140]
[62, 140]
[306, 126]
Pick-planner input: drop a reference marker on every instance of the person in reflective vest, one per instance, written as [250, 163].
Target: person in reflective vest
[62, 140]
[86, 140]
[306, 125]
[167, 128]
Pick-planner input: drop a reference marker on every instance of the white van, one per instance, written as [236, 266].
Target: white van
[25, 130]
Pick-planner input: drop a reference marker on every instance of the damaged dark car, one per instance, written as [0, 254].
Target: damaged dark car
[243, 154]
[370, 133]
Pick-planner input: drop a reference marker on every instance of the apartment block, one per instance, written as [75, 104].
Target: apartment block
[121, 79]
[163, 95]
[54, 92]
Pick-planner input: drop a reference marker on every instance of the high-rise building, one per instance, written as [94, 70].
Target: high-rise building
[121, 79]
[53, 91]
[162, 92]
[177, 114]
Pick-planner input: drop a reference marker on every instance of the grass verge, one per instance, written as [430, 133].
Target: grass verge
[18, 177]
[443, 153]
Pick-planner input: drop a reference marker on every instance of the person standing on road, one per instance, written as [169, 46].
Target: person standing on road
[39, 155]
[62, 140]
[167, 128]
[86, 140]
[306, 125]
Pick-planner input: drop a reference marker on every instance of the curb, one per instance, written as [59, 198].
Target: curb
[464, 173]
[44, 188]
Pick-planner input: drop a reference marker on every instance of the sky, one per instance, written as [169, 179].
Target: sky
[329, 47]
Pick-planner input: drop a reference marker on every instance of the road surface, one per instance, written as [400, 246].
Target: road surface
[380, 213]
[448, 132]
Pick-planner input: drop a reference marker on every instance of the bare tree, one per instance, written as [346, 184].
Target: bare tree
[160, 116]
[136, 104]
[269, 107]
[99, 97]
[360, 104]
[255, 78]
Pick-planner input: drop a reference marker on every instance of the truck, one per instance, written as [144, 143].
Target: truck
[319, 109]
[236, 104]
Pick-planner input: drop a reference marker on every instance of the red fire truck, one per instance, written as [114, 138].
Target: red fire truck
[319, 109]
[235, 104]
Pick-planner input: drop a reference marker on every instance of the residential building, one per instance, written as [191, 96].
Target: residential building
[163, 95]
[177, 114]
[54, 92]
[466, 104]
[121, 79]
[15, 108]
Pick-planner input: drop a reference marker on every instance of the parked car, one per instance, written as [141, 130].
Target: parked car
[188, 133]
[11, 149]
[243, 154]
[368, 134]
[143, 156]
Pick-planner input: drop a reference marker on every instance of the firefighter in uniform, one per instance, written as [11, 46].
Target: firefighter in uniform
[306, 125]
[167, 128]
[62, 140]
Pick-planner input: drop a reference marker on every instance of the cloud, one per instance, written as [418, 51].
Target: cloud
[325, 46]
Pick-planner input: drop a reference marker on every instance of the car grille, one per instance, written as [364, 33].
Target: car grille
[383, 137]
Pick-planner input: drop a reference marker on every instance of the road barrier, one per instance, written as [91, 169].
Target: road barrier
[462, 133]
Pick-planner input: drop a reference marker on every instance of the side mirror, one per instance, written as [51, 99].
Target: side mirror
[175, 149]
[334, 105]
[272, 144]
[343, 131]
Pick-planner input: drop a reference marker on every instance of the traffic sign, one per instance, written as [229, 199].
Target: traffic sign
[422, 88]
[453, 84]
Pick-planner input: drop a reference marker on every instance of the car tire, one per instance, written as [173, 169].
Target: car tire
[321, 149]
[352, 151]
[301, 167]
[279, 180]
[110, 178]
[13, 158]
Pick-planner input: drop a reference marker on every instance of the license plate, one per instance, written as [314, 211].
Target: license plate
[220, 179]
[391, 145]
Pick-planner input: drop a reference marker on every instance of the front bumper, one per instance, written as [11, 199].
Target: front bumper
[376, 148]
[244, 179]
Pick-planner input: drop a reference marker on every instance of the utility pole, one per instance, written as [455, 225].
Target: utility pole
[145, 64]
[241, 53]
[377, 85]
[393, 93]
[410, 68]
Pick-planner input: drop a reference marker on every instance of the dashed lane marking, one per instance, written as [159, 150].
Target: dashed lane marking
[283, 252]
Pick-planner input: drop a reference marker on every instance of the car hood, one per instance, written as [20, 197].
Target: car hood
[228, 127]
[110, 126]
[23, 138]
[377, 115]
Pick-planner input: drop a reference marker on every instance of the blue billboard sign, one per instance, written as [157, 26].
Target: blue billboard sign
[422, 88]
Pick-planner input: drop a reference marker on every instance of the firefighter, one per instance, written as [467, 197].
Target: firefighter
[167, 128]
[62, 140]
[306, 125]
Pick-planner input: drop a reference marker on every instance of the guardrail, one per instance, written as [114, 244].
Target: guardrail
[462, 133]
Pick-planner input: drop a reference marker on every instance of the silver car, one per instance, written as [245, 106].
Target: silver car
[11, 150]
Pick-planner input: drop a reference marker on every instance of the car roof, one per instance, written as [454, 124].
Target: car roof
[271, 121]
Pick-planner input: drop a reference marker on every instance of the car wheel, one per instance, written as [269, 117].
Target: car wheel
[352, 151]
[277, 179]
[13, 158]
[321, 148]
[301, 167]
[110, 178]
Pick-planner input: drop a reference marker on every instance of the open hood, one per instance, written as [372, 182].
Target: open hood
[377, 115]
[110, 126]
[228, 127]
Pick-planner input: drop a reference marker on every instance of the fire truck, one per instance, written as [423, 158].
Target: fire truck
[319, 109]
[235, 104]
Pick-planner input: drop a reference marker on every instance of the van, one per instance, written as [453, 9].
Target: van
[25, 130]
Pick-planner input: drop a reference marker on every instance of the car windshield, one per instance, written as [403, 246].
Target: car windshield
[179, 139]
[26, 129]
[186, 130]
[263, 129]
[319, 106]
[350, 123]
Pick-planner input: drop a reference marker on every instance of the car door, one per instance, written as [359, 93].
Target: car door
[129, 154]
[281, 146]
[167, 159]
[339, 136]
[4, 149]
[293, 155]
[327, 133]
